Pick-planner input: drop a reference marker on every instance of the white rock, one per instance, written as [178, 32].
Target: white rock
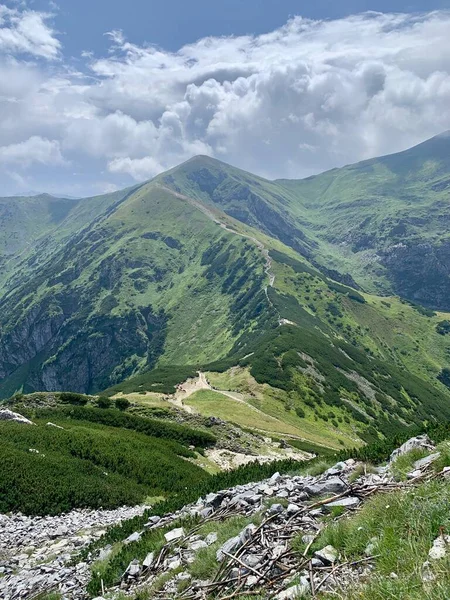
[197, 545]
[421, 441]
[296, 591]
[9, 415]
[327, 555]
[292, 509]
[211, 538]
[229, 546]
[134, 537]
[439, 548]
[174, 534]
[148, 560]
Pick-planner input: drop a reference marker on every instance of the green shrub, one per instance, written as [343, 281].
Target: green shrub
[104, 402]
[73, 398]
[122, 403]
[443, 327]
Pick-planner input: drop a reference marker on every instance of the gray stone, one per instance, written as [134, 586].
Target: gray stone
[105, 552]
[296, 591]
[276, 509]
[336, 469]
[134, 537]
[211, 538]
[173, 563]
[197, 545]
[348, 502]
[9, 415]
[229, 547]
[148, 560]
[251, 581]
[327, 555]
[255, 499]
[283, 494]
[152, 521]
[421, 441]
[292, 509]
[206, 512]
[427, 460]
[252, 560]
[214, 499]
[439, 548]
[247, 533]
[174, 534]
[333, 485]
[133, 569]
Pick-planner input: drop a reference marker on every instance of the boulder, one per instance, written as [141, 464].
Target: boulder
[421, 441]
[348, 503]
[9, 415]
[229, 547]
[148, 560]
[134, 537]
[296, 591]
[292, 509]
[211, 538]
[336, 469]
[276, 509]
[332, 485]
[197, 545]
[427, 460]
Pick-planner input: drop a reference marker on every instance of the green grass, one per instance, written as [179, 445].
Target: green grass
[404, 463]
[405, 523]
[210, 403]
[78, 466]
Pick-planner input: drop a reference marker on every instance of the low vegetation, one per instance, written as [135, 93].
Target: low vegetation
[49, 470]
[399, 528]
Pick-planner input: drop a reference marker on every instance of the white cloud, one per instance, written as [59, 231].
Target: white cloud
[27, 31]
[33, 150]
[306, 97]
[138, 168]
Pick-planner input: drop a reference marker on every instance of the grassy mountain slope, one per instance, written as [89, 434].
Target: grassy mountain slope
[385, 220]
[31, 228]
[382, 223]
[211, 267]
[155, 274]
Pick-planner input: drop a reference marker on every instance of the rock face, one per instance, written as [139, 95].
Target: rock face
[421, 441]
[9, 415]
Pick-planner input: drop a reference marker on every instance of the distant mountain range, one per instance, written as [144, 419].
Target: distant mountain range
[313, 288]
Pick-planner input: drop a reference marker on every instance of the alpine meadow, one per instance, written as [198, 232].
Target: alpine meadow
[214, 384]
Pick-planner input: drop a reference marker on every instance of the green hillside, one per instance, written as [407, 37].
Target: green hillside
[72, 463]
[382, 223]
[210, 268]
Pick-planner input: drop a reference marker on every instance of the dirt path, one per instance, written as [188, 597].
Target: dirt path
[214, 217]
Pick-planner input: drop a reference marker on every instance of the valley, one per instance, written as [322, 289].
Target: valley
[203, 330]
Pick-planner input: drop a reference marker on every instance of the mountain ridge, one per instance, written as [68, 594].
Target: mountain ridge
[209, 267]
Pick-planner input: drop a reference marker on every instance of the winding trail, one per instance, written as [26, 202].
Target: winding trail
[214, 217]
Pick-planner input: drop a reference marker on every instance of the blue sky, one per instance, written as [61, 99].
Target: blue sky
[174, 23]
[98, 95]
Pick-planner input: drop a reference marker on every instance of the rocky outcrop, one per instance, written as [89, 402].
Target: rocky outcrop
[9, 415]
[37, 552]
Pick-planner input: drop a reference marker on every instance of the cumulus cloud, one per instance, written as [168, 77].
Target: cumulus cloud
[27, 31]
[303, 98]
[33, 150]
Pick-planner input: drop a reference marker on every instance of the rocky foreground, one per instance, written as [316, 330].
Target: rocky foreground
[36, 553]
